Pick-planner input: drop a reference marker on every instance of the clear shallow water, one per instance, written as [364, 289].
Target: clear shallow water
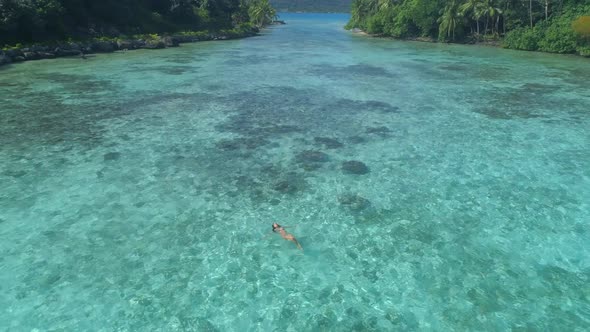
[137, 187]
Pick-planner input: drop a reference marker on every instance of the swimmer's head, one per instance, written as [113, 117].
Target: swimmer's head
[275, 226]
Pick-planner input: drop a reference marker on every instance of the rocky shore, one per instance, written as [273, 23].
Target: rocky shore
[64, 49]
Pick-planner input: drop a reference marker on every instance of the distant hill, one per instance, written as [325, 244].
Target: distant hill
[339, 6]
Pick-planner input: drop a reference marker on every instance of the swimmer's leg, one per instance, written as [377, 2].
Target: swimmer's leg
[297, 243]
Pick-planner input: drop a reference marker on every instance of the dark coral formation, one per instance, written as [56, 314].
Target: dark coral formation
[290, 183]
[351, 71]
[112, 156]
[354, 202]
[328, 143]
[312, 156]
[242, 143]
[311, 160]
[15, 173]
[357, 139]
[364, 106]
[382, 130]
[354, 167]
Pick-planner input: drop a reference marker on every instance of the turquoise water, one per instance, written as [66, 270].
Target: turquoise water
[138, 189]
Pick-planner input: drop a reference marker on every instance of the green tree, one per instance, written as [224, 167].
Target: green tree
[261, 12]
[449, 21]
[490, 12]
[26, 21]
[474, 10]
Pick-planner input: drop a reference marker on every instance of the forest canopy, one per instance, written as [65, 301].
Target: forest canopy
[23, 21]
[559, 26]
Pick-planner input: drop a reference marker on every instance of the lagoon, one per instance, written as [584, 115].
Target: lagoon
[138, 188]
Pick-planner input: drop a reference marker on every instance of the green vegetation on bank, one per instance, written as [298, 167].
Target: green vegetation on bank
[559, 26]
[33, 21]
[315, 6]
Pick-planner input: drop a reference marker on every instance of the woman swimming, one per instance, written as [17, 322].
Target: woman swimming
[276, 227]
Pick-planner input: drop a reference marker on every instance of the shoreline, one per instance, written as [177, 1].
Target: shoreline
[109, 45]
[495, 43]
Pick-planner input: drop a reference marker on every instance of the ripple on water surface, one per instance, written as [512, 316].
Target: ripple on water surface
[433, 187]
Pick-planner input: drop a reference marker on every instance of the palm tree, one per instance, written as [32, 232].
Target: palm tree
[261, 12]
[358, 11]
[383, 5]
[473, 7]
[489, 10]
[531, 11]
[450, 19]
[362, 9]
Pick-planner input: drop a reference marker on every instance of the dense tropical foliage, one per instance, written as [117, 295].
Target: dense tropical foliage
[23, 21]
[561, 26]
[260, 12]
